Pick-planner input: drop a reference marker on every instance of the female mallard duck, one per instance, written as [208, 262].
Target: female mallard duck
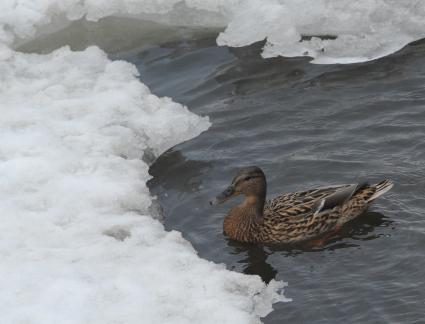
[293, 217]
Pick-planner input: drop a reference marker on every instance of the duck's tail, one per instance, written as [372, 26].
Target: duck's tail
[380, 188]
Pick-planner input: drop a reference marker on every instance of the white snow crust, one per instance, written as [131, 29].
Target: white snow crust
[360, 30]
[78, 244]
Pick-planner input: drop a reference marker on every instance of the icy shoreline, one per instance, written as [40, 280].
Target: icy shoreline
[79, 244]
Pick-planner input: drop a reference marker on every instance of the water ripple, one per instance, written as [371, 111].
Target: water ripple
[305, 125]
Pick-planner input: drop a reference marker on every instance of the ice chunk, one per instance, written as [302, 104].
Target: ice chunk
[78, 244]
[360, 30]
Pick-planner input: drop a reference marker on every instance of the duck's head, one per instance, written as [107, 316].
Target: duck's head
[249, 181]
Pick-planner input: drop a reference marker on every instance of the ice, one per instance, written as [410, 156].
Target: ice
[361, 30]
[78, 244]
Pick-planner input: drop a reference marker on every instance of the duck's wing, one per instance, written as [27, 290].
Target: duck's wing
[303, 203]
[304, 215]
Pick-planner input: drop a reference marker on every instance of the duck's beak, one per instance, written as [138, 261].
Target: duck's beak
[226, 194]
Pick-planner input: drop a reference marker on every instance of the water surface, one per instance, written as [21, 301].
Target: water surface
[305, 125]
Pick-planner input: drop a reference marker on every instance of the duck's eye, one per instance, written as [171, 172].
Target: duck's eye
[247, 178]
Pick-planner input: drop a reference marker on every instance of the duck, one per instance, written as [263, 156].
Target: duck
[292, 218]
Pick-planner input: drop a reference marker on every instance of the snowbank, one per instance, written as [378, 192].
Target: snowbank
[354, 31]
[78, 244]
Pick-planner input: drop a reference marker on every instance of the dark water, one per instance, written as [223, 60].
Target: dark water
[305, 125]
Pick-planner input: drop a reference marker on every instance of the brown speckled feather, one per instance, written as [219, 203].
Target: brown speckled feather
[302, 199]
[300, 216]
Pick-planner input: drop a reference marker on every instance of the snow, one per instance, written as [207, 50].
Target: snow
[361, 30]
[78, 243]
